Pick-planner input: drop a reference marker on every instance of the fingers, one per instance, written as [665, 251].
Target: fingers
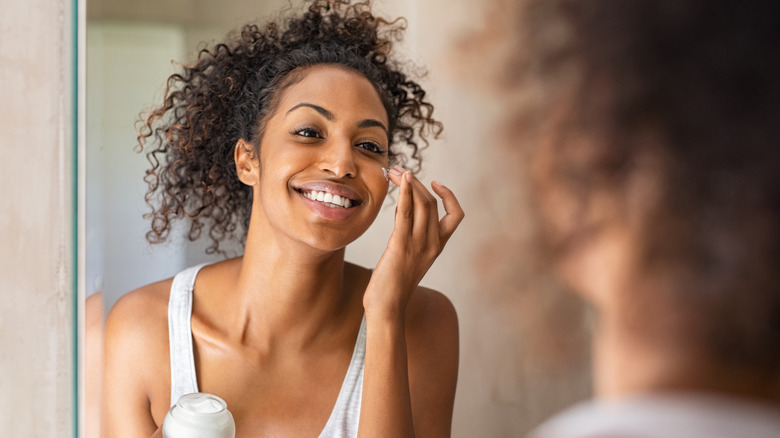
[404, 211]
[426, 212]
[425, 222]
[453, 211]
[423, 215]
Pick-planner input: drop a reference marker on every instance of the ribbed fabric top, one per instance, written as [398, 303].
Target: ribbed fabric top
[343, 420]
[665, 415]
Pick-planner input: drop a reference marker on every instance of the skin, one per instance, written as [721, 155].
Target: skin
[274, 330]
[93, 354]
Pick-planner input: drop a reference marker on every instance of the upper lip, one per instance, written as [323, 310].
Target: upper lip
[333, 188]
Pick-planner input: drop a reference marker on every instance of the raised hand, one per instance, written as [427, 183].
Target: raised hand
[417, 239]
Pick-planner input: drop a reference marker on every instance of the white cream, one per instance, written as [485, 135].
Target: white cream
[199, 415]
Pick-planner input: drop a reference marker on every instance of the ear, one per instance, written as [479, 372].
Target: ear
[247, 163]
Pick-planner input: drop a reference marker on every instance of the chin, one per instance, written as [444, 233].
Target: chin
[331, 242]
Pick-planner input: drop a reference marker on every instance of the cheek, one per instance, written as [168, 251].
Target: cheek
[280, 163]
[376, 182]
[273, 188]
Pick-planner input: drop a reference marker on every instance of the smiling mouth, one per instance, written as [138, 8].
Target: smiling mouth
[329, 199]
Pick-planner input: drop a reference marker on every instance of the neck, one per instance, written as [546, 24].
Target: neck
[288, 290]
[629, 362]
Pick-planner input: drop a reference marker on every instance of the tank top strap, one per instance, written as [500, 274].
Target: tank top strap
[344, 419]
[183, 378]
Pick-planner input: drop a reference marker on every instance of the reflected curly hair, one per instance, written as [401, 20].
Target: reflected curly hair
[666, 113]
[231, 91]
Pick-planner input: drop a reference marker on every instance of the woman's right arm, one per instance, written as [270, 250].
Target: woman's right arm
[130, 362]
[389, 401]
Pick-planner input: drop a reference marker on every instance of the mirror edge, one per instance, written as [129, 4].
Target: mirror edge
[79, 33]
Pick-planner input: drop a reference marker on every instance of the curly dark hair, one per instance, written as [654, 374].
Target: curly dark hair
[231, 91]
[681, 99]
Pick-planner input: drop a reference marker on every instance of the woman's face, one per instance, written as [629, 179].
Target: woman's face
[320, 178]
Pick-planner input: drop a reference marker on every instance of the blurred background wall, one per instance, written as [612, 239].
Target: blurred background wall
[523, 342]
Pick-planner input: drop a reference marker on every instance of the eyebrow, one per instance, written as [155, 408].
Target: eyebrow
[367, 123]
[370, 123]
[325, 113]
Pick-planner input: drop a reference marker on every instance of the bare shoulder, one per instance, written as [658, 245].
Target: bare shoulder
[431, 313]
[136, 332]
[432, 331]
[142, 309]
[136, 370]
[433, 356]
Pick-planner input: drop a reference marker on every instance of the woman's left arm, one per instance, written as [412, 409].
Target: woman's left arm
[412, 337]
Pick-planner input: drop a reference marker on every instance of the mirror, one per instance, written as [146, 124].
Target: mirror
[132, 47]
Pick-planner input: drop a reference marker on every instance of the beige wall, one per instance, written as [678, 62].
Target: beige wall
[36, 152]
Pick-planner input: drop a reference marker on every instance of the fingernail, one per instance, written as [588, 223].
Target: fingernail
[384, 171]
[396, 172]
[409, 176]
[400, 169]
[437, 183]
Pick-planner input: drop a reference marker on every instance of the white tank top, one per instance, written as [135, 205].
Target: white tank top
[343, 421]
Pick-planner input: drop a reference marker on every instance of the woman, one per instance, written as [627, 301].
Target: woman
[651, 130]
[287, 131]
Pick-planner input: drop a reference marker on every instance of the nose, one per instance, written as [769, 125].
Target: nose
[338, 158]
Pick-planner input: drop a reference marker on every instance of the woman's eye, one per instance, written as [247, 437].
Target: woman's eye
[371, 147]
[307, 132]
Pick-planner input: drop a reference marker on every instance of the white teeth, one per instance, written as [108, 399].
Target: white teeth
[328, 198]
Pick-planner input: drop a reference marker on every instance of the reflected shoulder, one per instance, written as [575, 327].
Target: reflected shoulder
[143, 304]
[429, 309]
[432, 328]
[433, 356]
[137, 325]
[136, 373]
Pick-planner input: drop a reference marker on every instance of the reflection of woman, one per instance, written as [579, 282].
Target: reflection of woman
[286, 130]
[655, 162]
